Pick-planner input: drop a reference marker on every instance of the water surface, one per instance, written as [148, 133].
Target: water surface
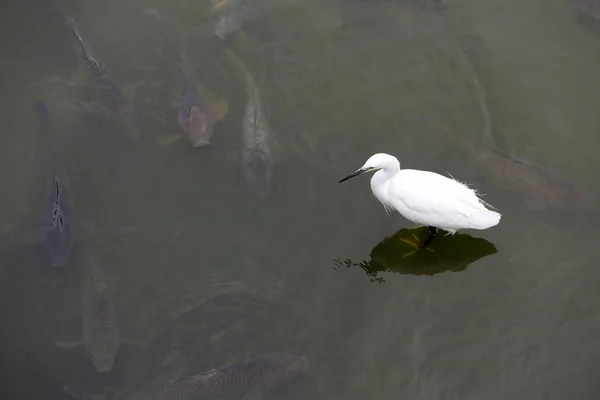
[177, 229]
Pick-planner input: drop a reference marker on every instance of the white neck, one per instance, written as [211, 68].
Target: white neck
[379, 180]
[384, 174]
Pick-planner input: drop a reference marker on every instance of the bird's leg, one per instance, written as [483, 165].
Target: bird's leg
[433, 232]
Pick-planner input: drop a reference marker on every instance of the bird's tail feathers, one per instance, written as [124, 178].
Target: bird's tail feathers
[468, 185]
[486, 219]
[479, 195]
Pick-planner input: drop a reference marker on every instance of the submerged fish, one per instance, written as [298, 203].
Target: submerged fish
[198, 109]
[99, 321]
[99, 328]
[257, 157]
[542, 188]
[101, 79]
[195, 116]
[58, 236]
[253, 376]
[232, 15]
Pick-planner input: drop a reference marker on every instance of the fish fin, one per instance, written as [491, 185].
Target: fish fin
[67, 344]
[128, 90]
[218, 109]
[169, 139]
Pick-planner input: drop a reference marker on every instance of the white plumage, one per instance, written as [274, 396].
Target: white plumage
[427, 198]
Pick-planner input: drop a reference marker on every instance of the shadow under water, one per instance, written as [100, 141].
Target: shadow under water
[398, 254]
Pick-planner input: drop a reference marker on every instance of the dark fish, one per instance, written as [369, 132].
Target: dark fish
[257, 374]
[99, 328]
[542, 188]
[101, 79]
[257, 156]
[258, 168]
[194, 115]
[58, 236]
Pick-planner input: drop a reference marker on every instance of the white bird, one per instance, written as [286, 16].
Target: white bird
[426, 198]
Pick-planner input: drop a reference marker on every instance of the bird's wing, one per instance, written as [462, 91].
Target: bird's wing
[432, 194]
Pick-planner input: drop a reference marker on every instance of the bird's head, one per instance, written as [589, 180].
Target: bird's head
[376, 162]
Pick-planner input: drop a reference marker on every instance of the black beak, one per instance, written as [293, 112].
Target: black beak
[352, 175]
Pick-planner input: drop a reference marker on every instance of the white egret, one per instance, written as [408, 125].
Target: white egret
[426, 198]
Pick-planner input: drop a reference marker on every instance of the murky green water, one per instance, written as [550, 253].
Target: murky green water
[177, 229]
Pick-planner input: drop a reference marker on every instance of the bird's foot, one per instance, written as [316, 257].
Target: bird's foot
[416, 244]
[433, 232]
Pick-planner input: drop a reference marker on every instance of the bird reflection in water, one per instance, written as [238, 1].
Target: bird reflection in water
[398, 253]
